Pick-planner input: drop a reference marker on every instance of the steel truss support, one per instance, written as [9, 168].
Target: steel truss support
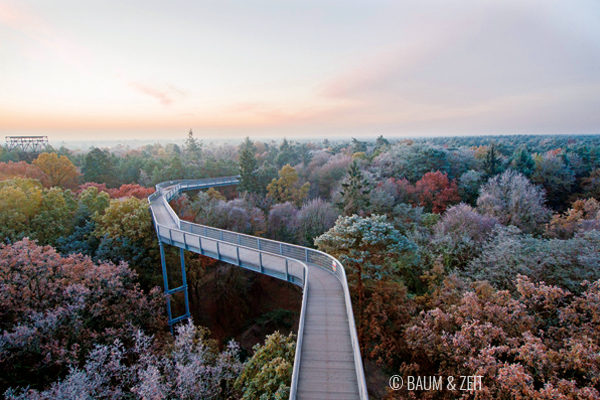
[27, 143]
[169, 292]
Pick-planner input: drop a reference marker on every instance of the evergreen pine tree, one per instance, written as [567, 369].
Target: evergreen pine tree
[381, 141]
[522, 161]
[248, 167]
[287, 154]
[355, 191]
[492, 162]
[193, 148]
[358, 146]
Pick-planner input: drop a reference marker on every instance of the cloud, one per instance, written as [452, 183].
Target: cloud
[510, 68]
[163, 95]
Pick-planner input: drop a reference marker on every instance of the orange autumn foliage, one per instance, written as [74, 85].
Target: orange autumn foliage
[21, 169]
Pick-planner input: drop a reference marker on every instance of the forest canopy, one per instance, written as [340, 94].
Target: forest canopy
[464, 255]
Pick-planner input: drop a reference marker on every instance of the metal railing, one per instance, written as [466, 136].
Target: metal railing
[262, 247]
[275, 265]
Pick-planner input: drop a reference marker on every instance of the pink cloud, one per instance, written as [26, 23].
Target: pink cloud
[163, 95]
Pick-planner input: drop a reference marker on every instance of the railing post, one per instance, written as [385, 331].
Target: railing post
[260, 262]
[306, 254]
[237, 251]
[287, 275]
[218, 252]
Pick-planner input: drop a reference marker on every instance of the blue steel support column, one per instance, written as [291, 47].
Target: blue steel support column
[184, 283]
[166, 282]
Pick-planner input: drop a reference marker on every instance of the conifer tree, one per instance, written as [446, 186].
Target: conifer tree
[287, 154]
[248, 167]
[193, 148]
[355, 191]
[381, 141]
[492, 161]
[522, 161]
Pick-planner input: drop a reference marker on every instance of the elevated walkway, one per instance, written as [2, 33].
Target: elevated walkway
[327, 363]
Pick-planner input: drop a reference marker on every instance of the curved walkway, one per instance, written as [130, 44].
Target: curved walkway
[327, 363]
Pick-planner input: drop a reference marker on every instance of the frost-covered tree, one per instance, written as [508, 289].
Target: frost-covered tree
[513, 200]
[190, 369]
[383, 197]
[53, 309]
[314, 219]
[462, 219]
[460, 234]
[325, 172]
[564, 263]
[283, 222]
[410, 160]
[541, 343]
[237, 215]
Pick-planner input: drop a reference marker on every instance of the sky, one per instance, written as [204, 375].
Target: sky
[105, 70]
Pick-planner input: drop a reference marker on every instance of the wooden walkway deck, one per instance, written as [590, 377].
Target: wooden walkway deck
[328, 369]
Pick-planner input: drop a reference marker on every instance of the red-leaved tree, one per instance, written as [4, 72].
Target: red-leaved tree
[131, 190]
[435, 192]
[100, 186]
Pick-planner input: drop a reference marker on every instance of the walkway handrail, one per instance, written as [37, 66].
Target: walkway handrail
[299, 339]
[286, 250]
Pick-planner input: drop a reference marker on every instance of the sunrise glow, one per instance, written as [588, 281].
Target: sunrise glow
[145, 69]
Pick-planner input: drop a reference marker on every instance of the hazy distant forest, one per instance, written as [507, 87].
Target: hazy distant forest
[465, 256]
